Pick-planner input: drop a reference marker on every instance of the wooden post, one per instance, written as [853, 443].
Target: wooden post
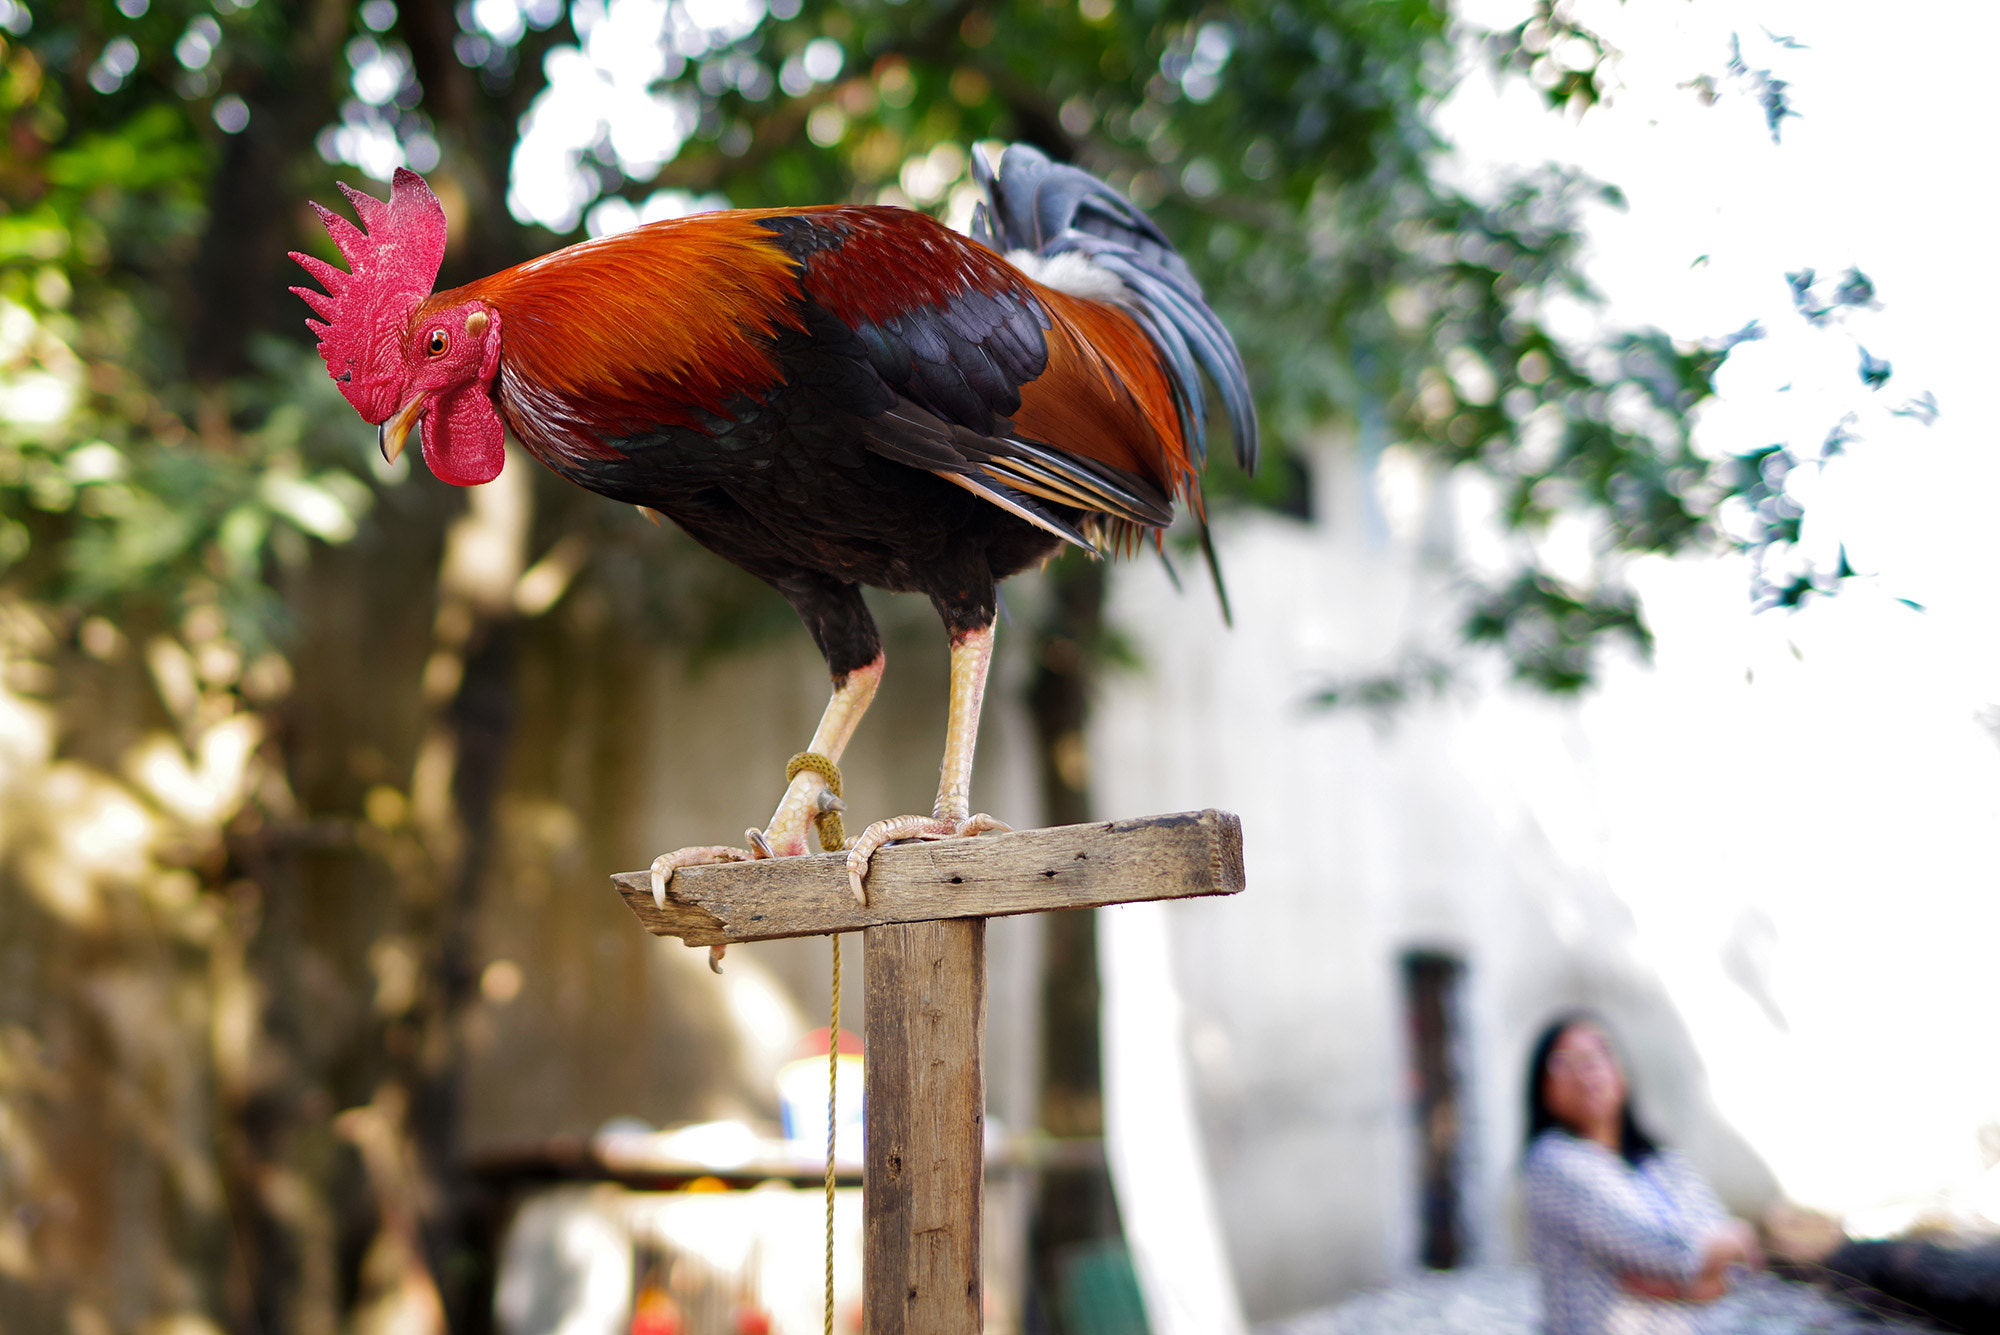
[924, 927]
[925, 1106]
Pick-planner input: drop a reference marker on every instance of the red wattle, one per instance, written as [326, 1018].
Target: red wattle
[464, 441]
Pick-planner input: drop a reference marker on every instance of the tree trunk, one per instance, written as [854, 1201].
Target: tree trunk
[1075, 1204]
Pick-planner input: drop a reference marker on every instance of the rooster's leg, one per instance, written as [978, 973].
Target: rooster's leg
[785, 836]
[971, 655]
[805, 797]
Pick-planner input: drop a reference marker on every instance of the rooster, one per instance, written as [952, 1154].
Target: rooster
[828, 397]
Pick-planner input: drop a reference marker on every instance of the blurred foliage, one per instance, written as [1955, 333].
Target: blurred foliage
[180, 484]
[1548, 630]
[1287, 147]
[1558, 55]
[1760, 507]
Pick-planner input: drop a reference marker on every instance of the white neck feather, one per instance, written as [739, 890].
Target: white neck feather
[1070, 272]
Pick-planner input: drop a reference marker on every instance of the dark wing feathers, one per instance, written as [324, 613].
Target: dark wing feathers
[888, 354]
[907, 434]
[967, 354]
[1083, 483]
[1016, 472]
[953, 345]
[954, 333]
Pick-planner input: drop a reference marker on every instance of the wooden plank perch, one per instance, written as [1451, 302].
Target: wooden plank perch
[995, 875]
[925, 934]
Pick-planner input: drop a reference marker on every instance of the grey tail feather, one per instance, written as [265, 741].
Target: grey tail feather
[1214, 570]
[1052, 208]
[1173, 575]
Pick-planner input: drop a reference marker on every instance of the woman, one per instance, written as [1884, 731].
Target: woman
[1627, 1237]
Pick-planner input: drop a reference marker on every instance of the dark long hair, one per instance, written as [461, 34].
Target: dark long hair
[1634, 1144]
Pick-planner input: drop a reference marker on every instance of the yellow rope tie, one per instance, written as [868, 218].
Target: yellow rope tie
[832, 1126]
[832, 832]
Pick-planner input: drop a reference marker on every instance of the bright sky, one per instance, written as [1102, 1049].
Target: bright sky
[1811, 801]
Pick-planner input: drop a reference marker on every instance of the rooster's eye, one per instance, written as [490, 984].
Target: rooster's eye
[436, 344]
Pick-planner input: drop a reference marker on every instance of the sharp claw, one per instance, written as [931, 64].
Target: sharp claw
[759, 843]
[828, 802]
[705, 855]
[886, 833]
[858, 854]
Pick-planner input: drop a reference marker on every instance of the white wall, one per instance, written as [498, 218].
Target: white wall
[1465, 825]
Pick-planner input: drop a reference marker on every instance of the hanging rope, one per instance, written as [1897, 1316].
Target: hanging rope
[832, 1126]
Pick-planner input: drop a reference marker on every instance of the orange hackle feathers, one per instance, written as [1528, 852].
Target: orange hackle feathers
[659, 326]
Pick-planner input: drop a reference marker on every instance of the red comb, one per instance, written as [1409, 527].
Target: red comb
[392, 266]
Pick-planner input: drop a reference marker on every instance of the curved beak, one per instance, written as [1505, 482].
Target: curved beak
[392, 433]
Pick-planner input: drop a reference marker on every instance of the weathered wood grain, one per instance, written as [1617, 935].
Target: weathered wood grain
[991, 876]
[923, 1184]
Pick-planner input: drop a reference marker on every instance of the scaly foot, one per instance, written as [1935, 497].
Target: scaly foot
[700, 855]
[785, 838]
[860, 850]
[809, 796]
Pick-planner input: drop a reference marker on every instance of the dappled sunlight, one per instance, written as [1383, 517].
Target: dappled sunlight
[92, 835]
[203, 787]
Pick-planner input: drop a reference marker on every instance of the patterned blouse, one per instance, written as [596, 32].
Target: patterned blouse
[1593, 1217]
